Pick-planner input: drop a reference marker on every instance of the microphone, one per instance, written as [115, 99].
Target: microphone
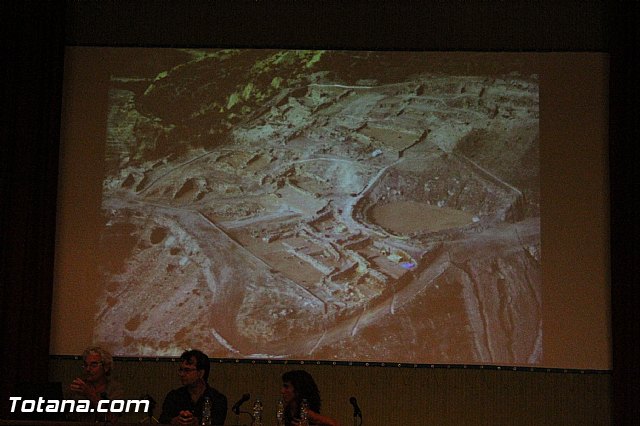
[356, 409]
[236, 406]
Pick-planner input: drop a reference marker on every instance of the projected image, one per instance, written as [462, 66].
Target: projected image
[365, 206]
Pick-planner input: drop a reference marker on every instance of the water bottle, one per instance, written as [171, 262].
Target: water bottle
[257, 412]
[206, 412]
[280, 412]
[304, 413]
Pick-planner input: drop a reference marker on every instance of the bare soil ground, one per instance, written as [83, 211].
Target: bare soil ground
[389, 221]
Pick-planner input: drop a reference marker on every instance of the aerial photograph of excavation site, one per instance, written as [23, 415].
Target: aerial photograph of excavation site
[325, 205]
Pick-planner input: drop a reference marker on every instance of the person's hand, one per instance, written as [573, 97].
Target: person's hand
[316, 419]
[80, 387]
[185, 418]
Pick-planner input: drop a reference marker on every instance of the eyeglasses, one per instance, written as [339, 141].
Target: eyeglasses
[93, 364]
[182, 370]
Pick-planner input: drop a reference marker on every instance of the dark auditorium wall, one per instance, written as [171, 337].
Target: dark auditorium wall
[388, 396]
[32, 62]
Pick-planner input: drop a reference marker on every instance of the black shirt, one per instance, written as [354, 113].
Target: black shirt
[179, 399]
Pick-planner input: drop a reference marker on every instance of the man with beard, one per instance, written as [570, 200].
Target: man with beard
[95, 383]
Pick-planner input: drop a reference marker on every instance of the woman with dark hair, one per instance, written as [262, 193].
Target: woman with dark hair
[298, 385]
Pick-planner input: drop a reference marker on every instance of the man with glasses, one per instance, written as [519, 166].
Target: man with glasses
[183, 406]
[95, 383]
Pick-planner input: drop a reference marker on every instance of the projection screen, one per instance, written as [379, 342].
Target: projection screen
[401, 207]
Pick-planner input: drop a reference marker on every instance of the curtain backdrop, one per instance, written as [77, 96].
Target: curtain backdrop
[31, 98]
[624, 116]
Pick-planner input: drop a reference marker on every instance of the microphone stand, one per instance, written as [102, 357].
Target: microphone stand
[356, 414]
[152, 406]
[237, 423]
[355, 421]
[151, 420]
